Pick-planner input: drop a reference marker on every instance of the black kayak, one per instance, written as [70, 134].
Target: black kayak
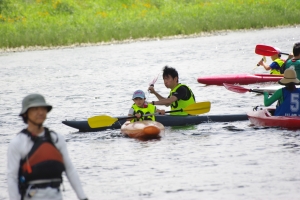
[166, 120]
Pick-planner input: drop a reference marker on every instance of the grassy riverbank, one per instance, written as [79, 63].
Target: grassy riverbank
[66, 22]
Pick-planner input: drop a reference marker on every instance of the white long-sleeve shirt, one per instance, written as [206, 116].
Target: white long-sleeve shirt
[20, 146]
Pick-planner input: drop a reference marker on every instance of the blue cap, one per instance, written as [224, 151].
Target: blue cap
[138, 93]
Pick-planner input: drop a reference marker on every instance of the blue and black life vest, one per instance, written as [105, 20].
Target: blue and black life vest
[290, 105]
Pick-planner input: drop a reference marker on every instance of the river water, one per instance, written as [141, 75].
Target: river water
[208, 161]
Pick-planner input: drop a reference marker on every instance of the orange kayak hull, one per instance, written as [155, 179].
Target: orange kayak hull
[143, 129]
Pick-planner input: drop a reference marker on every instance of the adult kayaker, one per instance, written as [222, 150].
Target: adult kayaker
[295, 60]
[288, 97]
[140, 108]
[275, 66]
[180, 95]
[38, 156]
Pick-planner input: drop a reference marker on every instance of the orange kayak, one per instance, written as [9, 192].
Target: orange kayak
[143, 129]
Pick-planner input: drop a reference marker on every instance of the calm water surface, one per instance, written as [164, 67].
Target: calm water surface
[207, 161]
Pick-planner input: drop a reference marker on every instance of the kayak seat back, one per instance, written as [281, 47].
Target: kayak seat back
[269, 112]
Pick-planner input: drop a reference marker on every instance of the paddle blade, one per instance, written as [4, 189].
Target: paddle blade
[198, 108]
[154, 81]
[101, 121]
[265, 50]
[235, 88]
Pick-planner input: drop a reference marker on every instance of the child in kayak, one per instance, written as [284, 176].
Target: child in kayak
[288, 97]
[275, 66]
[141, 109]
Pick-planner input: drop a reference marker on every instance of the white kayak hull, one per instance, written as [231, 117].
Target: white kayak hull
[271, 89]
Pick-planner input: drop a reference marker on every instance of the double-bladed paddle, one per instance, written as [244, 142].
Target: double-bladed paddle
[263, 59]
[152, 83]
[105, 120]
[239, 89]
[266, 50]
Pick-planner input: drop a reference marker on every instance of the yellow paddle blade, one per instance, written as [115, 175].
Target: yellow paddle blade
[198, 108]
[101, 121]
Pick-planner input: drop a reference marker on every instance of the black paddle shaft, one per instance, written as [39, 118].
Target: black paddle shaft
[250, 90]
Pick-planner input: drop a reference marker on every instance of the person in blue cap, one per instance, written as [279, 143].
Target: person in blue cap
[37, 157]
[141, 109]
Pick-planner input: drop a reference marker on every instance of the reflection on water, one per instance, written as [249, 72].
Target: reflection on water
[207, 161]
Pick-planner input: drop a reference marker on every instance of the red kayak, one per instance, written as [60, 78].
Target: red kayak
[264, 118]
[242, 79]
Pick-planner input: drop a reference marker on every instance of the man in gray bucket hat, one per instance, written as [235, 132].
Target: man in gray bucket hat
[34, 100]
[37, 157]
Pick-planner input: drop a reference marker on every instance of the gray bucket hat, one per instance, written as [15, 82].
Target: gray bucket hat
[34, 100]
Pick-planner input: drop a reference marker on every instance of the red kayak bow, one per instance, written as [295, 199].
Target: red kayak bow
[239, 89]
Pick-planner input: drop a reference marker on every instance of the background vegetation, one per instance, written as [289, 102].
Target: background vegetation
[65, 22]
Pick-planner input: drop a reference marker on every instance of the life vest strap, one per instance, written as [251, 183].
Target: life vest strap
[53, 183]
[45, 181]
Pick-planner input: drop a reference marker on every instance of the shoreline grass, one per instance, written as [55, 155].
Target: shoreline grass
[52, 23]
[75, 45]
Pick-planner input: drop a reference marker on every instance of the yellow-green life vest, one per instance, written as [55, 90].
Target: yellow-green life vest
[150, 109]
[181, 104]
[280, 63]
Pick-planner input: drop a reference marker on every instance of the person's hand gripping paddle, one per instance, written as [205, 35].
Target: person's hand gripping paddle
[152, 84]
[263, 59]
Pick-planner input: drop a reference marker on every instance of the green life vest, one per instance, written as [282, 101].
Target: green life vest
[181, 104]
[150, 109]
[280, 63]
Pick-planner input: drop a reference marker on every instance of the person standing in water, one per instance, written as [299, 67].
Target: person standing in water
[37, 157]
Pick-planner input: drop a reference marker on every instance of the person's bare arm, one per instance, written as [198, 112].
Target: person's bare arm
[152, 91]
[165, 102]
[265, 65]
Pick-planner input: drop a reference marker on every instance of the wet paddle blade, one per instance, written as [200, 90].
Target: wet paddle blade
[265, 50]
[101, 121]
[152, 84]
[235, 88]
[239, 89]
[198, 108]
[154, 80]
